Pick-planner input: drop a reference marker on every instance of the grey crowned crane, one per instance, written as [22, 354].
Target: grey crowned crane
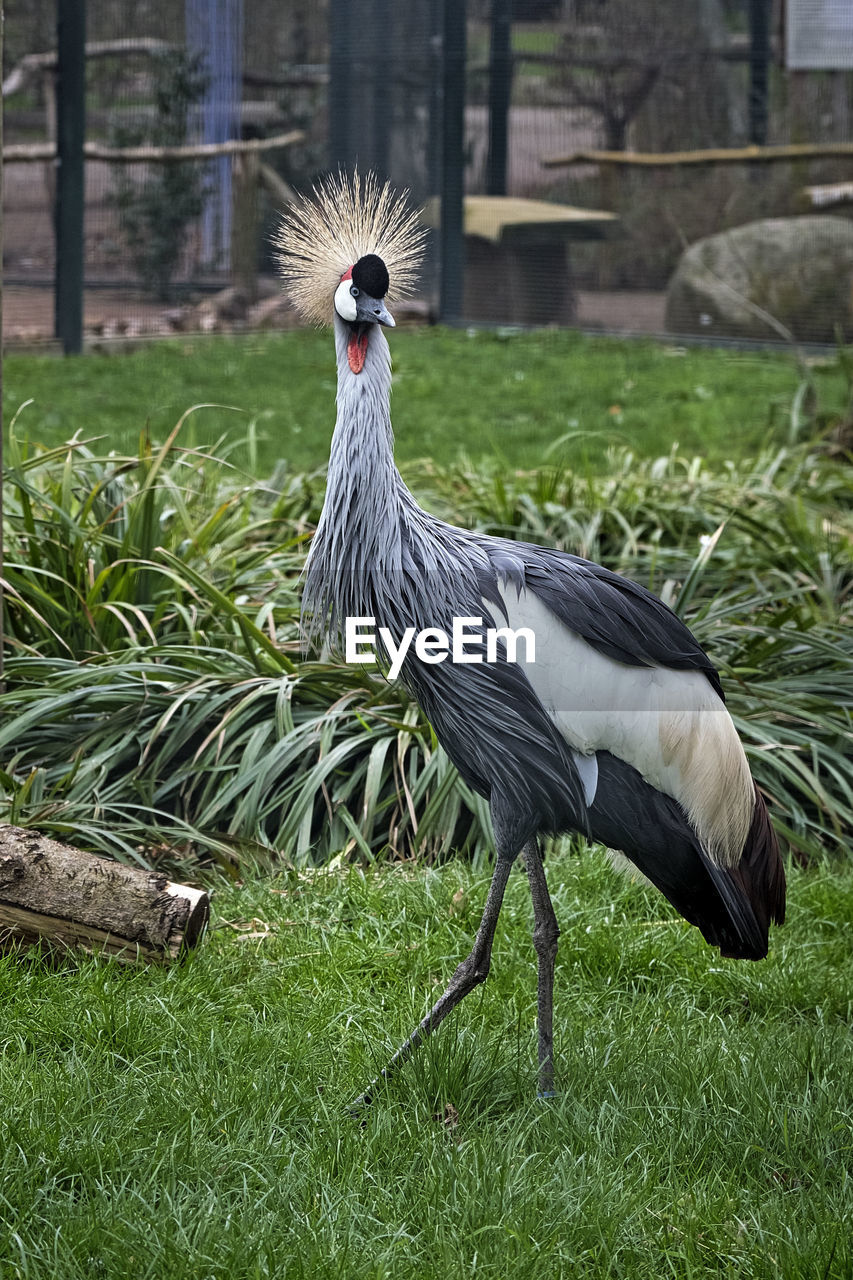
[611, 722]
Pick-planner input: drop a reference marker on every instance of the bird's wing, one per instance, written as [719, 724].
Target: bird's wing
[617, 671]
[619, 618]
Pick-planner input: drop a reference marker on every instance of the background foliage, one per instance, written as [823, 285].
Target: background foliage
[155, 215]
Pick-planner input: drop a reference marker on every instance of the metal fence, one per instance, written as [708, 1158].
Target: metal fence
[558, 120]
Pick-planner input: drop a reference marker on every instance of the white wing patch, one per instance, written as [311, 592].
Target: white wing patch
[669, 725]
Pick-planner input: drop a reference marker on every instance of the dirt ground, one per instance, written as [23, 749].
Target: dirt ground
[534, 133]
[622, 311]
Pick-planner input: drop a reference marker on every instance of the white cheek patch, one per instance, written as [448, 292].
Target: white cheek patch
[344, 301]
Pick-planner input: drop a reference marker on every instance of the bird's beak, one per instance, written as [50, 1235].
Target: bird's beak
[372, 311]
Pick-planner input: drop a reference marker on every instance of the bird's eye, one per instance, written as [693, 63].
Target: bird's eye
[354, 290]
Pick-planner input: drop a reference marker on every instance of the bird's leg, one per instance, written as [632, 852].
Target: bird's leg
[471, 972]
[546, 932]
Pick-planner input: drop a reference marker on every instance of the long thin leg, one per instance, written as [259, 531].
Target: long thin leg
[546, 932]
[471, 972]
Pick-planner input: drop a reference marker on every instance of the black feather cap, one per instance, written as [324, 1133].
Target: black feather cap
[370, 275]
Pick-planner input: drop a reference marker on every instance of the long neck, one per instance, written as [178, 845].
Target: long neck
[363, 485]
[363, 442]
[372, 536]
[358, 536]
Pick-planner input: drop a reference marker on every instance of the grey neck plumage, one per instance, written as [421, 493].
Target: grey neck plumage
[375, 551]
[359, 532]
[364, 487]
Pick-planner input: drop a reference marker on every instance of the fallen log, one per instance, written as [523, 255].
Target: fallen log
[52, 893]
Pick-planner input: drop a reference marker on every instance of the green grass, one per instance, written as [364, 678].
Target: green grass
[192, 1122]
[506, 398]
[534, 37]
[530, 37]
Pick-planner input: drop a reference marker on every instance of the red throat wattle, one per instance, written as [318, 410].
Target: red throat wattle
[357, 350]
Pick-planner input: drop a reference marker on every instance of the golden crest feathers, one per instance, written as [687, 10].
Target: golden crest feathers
[321, 236]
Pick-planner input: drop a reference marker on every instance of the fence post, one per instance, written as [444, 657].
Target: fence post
[759, 58]
[70, 183]
[500, 94]
[244, 224]
[340, 54]
[452, 233]
[380, 144]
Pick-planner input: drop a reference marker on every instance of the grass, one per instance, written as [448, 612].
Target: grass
[191, 1122]
[531, 37]
[508, 398]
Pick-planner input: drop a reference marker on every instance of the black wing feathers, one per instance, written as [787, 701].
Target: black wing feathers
[652, 830]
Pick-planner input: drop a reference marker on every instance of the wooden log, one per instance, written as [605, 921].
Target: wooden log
[280, 190]
[35, 64]
[735, 49]
[718, 155]
[31, 152]
[50, 892]
[244, 225]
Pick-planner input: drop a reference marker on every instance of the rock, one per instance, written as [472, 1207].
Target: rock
[268, 286]
[114, 327]
[796, 272]
[206, 318]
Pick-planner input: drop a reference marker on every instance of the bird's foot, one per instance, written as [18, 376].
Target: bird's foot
[359, 1107]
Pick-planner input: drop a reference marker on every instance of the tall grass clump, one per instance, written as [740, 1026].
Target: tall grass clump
[112, 551]
[157, 695]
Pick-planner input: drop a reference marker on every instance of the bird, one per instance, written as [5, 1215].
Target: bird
[614, 727]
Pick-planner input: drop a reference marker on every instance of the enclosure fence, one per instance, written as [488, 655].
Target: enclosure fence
[621, 165]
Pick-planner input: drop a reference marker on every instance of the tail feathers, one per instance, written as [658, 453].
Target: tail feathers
[759, 877]
[731, 906]
[726, 918]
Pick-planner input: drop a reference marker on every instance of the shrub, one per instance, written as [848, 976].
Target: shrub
[156, 693]
[155, 214]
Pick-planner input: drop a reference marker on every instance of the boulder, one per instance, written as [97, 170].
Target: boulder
[758, 280]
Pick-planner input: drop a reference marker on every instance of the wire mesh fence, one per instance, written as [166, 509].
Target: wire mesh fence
[559, 97]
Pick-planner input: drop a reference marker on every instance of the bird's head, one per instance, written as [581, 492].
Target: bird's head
[346, 249]
[359, 301]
